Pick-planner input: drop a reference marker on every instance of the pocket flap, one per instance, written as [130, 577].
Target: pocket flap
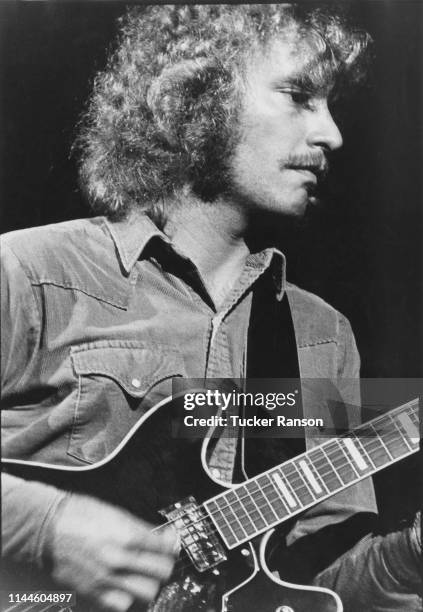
[135, 366]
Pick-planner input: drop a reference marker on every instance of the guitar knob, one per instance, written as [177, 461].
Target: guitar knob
[284, 609]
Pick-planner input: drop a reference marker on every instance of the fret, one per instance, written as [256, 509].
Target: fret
[230, 517]
[290, 499]
[273, 496]
[233, 521]
[355, 454]
[261, 501]
[341, 463]
[322, 461]
[349, 467]
[359, 441]
[306, 470]
[407, 425]
[302, 490]
[293, 483]
[251, 508]
[392, 441]
[382, 442]
[239, 511]
[374, 447]
[297, 481]
[324, 469]
[268, 499]
[350, 460]
[276, 481]
[221, 523]
[377, 451]
[411, 412]
[414, 418]
[399, 430]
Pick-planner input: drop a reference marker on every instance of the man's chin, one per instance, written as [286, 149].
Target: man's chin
[295, 209]
[282, 206]
[301, 207]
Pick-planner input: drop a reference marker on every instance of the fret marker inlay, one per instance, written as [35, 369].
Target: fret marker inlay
[409, 427]
[282, 486]
[310, 477]
[355, 454]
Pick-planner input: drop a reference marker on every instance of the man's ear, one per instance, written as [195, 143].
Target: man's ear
[173, 94]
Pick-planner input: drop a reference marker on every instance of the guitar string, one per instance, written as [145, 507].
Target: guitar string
[231, 522]
[297, 479]
[411, 410]
[239, 525]
[180, 564]
[292, 480]
[183, 565]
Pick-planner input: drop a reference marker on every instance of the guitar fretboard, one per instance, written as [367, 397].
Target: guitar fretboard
[291, 487]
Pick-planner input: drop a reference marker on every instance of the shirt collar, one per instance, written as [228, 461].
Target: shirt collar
[275, 260]
[132, 235]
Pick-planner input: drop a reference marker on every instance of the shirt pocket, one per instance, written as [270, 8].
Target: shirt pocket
[118, 381]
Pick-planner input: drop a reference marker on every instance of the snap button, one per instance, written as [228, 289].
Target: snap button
[136, 383]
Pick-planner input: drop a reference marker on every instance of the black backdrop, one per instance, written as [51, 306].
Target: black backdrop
[362, 252]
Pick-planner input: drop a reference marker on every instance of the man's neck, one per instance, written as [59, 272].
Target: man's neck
[212, 236]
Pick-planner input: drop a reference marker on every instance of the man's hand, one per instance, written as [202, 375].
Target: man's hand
[108, 555]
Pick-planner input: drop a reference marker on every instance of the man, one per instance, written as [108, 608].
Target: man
[209, 126]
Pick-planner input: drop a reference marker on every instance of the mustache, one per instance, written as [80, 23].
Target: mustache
[315, 161]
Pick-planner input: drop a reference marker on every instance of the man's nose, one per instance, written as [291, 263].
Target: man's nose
[323, 130]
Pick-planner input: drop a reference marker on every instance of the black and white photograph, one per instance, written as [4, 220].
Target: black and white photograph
[211, 306]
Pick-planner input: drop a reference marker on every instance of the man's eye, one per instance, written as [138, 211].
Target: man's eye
[299, 97]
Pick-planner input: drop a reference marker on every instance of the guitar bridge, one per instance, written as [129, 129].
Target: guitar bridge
[196, 532]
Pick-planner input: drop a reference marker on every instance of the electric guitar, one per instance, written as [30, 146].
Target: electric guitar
[225, 530]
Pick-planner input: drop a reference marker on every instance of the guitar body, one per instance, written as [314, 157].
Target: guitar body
[155, 475]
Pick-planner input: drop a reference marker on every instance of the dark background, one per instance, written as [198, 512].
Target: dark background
[362, 251]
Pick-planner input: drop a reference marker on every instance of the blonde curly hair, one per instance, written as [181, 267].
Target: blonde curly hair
[163, 114]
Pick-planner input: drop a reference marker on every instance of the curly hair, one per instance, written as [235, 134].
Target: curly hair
[163, 114]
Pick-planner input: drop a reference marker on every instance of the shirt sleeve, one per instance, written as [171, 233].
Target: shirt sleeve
[26, 506]
[384, 572]
[20, 324]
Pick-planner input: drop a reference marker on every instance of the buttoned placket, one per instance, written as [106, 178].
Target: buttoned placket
[131, 239]
[222, 458]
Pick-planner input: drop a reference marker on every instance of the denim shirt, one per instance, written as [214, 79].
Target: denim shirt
[97, 317]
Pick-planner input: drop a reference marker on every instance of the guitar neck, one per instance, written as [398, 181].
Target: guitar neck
[269, 499]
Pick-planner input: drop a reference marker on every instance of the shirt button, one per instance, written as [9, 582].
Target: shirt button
[136, 383]
[215, 473]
